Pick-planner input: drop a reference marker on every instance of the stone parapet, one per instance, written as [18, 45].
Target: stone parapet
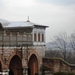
[58, 65]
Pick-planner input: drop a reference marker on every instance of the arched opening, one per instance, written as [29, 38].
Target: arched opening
[33, 65]
[15, 67]
[0, 67]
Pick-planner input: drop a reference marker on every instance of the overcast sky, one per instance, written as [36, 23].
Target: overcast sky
[59, 15]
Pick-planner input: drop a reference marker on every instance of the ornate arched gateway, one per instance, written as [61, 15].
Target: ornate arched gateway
[33, 65]
[15, 67]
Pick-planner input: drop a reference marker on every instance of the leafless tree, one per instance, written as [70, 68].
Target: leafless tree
[72, 40]
[61, 43]
[63, 47]
[53, 53]
[69, 57]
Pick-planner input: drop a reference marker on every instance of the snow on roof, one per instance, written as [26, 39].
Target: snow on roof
[4, 22]
[20, 24]
[8, 24]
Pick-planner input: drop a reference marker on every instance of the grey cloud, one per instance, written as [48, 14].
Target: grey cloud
[59, 2]
[1, 3]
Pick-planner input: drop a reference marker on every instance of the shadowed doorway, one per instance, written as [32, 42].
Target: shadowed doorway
[33, 65]
[0, 67]
[15, 67]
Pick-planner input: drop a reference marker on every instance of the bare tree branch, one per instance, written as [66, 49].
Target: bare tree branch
[61, 43]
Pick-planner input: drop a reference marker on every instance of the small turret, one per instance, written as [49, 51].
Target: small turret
[28, 19]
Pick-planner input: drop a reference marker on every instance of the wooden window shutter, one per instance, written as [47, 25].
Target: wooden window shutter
[34, 36]
[42, 37]
[39, 37]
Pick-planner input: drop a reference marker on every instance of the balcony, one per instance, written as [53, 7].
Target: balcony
[15, 39]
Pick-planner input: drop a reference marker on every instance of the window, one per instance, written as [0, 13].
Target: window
[39, 37]
[34, 36]
[42, 37]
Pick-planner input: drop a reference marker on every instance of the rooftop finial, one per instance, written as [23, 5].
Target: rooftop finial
[28, 19]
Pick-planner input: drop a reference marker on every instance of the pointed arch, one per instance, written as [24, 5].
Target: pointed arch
[37, 55]
[15, 52]
[33, 65]
[15, 66]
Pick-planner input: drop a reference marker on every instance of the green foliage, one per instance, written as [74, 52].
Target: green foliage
[64, 73]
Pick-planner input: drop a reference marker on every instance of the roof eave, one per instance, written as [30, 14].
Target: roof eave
[41, 26]
[17, 27]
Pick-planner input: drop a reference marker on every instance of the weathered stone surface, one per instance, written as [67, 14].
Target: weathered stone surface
[58, 65]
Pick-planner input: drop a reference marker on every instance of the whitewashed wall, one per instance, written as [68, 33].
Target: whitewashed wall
[37, 31]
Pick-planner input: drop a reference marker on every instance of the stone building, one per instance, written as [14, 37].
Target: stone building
[22, 47]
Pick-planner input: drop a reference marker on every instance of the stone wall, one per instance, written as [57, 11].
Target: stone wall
[58, 65]
[9, 52]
